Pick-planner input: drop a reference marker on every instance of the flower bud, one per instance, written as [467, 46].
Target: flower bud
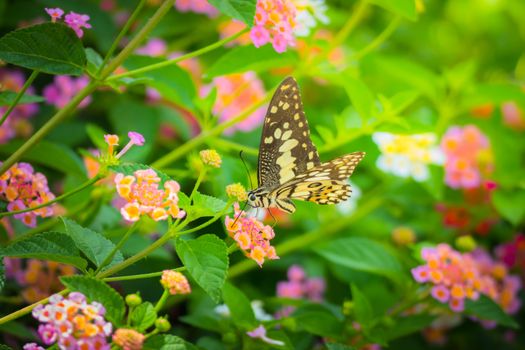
[133, 299]
[162, 324]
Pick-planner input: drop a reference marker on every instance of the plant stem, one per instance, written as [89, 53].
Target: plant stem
[27, 84]
[180, 58]
[137, 40]
[115, 249]
[162, 300]
[27, 309]
[392, 26]
[140, 276]
[198, 182]
[57, 199]
[49, 125]
[350, 25]
[311, 238]
[204, 135]
[120, 35]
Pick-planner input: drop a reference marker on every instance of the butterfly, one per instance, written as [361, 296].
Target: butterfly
[289, 166]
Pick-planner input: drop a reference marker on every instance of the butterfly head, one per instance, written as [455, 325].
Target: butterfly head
[258, 198]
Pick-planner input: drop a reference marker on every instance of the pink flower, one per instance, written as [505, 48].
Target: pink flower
[76, 22]
[440, 293]
[468, 157]
[274, 21]
[128, 339]
[176, 282]
[32, 346]
[235, 94]
[421, 274]
[197, 6]
[47, 333]
[260, 333]
[457, 305]
[145, 196]
[134, 139]
[296, 273]
[63, 89]
[22, 188]
[154, 47]
[252, 236]
[513, 116]
[55, 13]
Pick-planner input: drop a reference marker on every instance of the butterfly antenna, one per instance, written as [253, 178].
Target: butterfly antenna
[247, 170]
[240, 213]
[273, 217]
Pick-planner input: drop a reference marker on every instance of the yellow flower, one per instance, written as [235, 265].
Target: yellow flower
[211, 157]
[237, 192]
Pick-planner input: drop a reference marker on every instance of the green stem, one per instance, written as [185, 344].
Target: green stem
[57, 199]
[47, 127]
[180, 58]
[198, 182]
[162, 300]
[392, 26]
[230, 145]
[138, 39]
[120, 35]
[350, 25]
[311, 238]
[119, 245]
[140, 276]
[204, 135]
[209, 222]
[27, 84]
[27, 309]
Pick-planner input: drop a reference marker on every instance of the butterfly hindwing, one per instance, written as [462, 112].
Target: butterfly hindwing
[323, 184]
[285, 149]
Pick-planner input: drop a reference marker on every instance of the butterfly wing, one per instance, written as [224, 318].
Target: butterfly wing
[285, 149]
[323, 184]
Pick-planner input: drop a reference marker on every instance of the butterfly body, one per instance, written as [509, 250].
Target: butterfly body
[289, 166]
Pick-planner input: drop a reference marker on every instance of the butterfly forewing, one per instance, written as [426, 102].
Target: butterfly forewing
[285, 149]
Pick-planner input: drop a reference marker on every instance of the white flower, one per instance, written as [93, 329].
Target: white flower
[309, 12]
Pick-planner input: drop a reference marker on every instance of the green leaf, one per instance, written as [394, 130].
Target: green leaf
[206, 259]
[405, 8]
[243, 10]
[240, 307]
[52, 48]
[318, 320]
[337, 346]
[172, 82]
[50, 154]
[94, 61]
[362, 254]
[250, 58]
[7, 97]
[54, 246]
[510, 204]
[364, 313]
[5, 347]
[408, 325]
[167, 342]
[361, 97]
[95, 246]
[486, 309]
[204, 205]
[97, 290]
[143, 316]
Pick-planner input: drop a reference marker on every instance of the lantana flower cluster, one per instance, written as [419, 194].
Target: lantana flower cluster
[175, 282]
[146, 196]
[299, 286]
[252, 236]
[235, 94]
[23, 188]
[38, 279]
[17, 123]
[128, 339]
[407, 155]
[73, 323]
[75, 21]
[63, 89]
[468, 156]
[274, 22]
[456, 277]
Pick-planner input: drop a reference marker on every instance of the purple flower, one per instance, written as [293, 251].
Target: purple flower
[421, 273]
[76, 22]
[440, 293]
[48, 333]
[55, 13]
[32, 346]
[136, 138]
[62, 90]
[296, 273]
[260, 333]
